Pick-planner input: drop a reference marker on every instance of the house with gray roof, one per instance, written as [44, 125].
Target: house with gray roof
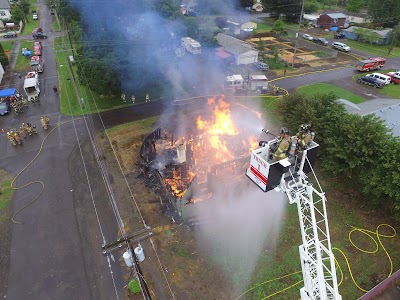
[243, 52]
[5, 10]
[386, 109]
[380, 37]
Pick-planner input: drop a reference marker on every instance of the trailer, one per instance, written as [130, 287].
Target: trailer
[258, 83]
[191, 45]
[31, 86]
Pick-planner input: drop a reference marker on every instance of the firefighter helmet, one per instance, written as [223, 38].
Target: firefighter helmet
[305, 127]
[284, 130]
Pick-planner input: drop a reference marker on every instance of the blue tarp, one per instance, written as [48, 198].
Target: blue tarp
[8, 92]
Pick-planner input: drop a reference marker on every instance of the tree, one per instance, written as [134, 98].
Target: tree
[289, 9]
[3, 57]
[279, 27]
[221, 22]
[17, 13]
[385, 12]
[310, 6]
[394, 38]
[367, 35]
[355, 5]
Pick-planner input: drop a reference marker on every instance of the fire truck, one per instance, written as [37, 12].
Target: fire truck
[289, 175]
[372, 63]
[36, 64]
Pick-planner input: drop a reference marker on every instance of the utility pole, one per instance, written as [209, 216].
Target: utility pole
[297, 33]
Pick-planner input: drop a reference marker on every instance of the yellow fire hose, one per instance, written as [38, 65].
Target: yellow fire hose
[36, 181]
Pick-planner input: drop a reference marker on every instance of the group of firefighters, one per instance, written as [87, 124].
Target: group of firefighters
[289, 145]
[15, 135]
[133, 98]
[17, 102]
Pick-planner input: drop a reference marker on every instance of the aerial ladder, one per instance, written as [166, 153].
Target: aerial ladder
[289, 176]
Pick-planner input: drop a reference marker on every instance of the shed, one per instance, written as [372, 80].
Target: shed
[332, 20]
[311, 19]
[244, 53]
[380, 37]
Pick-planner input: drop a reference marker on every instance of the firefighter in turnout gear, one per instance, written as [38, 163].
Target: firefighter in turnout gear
[284, 144]
[304, 137]
[31, 128]
[17, 137]
[45, 121]
[11, 138]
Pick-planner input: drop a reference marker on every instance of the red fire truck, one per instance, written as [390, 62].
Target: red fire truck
[372, 63]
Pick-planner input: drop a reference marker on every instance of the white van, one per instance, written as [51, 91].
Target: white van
[385, 79]
[341, 46]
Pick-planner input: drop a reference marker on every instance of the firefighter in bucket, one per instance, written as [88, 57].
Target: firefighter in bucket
[284, 144]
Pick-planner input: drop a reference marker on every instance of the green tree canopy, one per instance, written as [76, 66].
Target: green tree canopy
[385, 12]
[353, 147]
[17, 13]
[289, 9]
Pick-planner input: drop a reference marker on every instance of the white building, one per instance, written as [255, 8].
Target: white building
[5, 10]
[244, 53]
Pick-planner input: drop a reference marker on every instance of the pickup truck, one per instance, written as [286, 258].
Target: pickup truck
[370, 81]
[394, 77]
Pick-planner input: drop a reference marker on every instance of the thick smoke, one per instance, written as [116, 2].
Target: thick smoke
[141, 42]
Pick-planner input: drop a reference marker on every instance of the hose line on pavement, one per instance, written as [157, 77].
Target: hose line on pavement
[36, 181]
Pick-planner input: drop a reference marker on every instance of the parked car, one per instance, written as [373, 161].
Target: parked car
[341, 46]
[394, 77]
[370, 81]
[262, 66]
[320, 41]
[307, 37]
[10, 34]
[339, 35]
[37, 45]
[385, 79]
[39, 35]
[37, 51]
[4, 107]
[35, 17]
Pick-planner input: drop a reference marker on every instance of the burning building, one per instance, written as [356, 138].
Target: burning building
[196, 157]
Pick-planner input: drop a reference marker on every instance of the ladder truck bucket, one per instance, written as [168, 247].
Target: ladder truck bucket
[267, 173]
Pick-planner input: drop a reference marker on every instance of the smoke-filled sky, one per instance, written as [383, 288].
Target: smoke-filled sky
[141, 43]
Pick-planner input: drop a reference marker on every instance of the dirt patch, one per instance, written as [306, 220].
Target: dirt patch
[5, 236]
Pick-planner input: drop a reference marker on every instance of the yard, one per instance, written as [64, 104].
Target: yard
[22, 63]
[381, 50]
[323, 88]
[391, 90]
[7, 47]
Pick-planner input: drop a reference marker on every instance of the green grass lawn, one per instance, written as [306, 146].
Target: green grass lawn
[391, 90]
[381, 50]
[22, 63]
[263, 27]
[322, 88]
[5, 198]
[69, 103]
[7, 47]
[55, 25]
[32, 24]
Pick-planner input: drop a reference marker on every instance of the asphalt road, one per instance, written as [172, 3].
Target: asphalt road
[46, 256]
